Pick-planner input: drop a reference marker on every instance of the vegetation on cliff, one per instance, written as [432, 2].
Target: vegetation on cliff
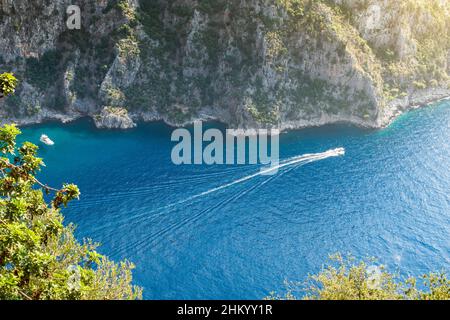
[251, 63]
[8, 84]
[344, 278]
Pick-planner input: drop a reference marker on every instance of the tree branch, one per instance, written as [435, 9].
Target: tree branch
[12, 166]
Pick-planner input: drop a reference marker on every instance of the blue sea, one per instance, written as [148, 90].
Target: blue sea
[388, 197]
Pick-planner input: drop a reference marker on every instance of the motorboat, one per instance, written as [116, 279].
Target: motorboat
[46, 140]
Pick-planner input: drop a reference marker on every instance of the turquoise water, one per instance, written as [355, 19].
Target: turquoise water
[387, 197]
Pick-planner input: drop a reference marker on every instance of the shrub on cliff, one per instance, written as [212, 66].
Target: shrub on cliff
[346, 279]
[39, 256]
[7, 84]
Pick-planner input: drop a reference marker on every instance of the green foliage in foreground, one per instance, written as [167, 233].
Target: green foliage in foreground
[39, 256]
[346, 279]
[7, 84]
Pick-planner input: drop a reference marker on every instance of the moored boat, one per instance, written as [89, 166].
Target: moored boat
[46, 140]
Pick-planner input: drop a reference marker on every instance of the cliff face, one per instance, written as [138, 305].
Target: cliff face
[249, 63]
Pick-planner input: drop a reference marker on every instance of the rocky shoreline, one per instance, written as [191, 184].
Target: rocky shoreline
[247, 64]
[118, 118]
[114, 118]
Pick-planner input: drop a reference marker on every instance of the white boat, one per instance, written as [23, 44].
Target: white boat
[45, 139]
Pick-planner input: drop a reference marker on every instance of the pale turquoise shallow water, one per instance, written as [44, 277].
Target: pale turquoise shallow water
[388, 197]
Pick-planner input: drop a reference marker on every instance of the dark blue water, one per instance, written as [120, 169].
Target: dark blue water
[388, 197]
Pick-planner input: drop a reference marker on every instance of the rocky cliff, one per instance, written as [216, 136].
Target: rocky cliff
[248, 63]
[114, 118]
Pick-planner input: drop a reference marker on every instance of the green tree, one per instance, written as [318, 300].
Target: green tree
[7, 84]
[39, 256]
[345, 279]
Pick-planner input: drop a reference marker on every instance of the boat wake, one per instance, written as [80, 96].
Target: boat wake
[303, 159]
[290, 164]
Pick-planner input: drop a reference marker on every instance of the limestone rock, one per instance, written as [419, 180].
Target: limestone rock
[114, 118]
[250, 64]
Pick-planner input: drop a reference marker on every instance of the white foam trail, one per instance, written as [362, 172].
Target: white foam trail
[176, 226]
[295, 160]
[298, 160]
